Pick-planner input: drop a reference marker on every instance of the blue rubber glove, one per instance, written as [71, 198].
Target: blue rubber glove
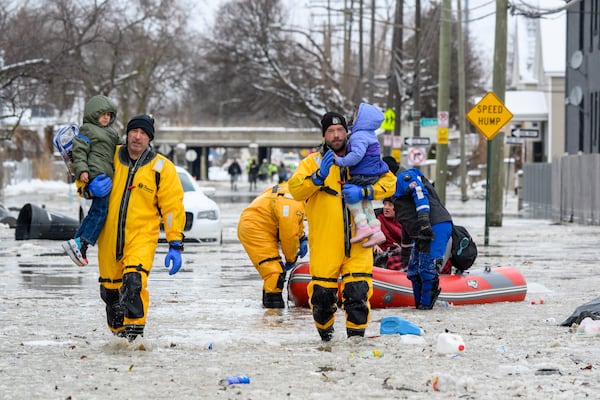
[174, 256]
[288, 266]
[303, 249]
[99, 187]
[318, 177]
[354, 194]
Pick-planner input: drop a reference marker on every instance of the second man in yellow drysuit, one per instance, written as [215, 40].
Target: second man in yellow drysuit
[272, 221]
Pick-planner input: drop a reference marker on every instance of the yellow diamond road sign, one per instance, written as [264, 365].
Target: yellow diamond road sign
[489, 115]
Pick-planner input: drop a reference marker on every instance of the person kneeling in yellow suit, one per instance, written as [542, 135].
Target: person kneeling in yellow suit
[272, 221]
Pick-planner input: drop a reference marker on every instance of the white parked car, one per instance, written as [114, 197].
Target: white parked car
[202, 214]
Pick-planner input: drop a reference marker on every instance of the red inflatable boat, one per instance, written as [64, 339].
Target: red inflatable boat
[392, 289]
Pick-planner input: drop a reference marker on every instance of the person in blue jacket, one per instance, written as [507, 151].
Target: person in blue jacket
[365, 166]
[426, 230]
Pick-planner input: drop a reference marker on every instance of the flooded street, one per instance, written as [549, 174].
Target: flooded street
[207, 322]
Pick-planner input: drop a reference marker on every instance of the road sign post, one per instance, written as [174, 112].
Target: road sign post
[389, 121]
[425, 122]
[416, 156]
[416, 141]
[489, 115]
[525, 133]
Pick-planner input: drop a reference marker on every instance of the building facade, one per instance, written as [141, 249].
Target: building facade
[582, 121]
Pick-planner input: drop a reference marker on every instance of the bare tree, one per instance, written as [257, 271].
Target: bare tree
[137, 52]
[425, 58]
[256, 58]
[20, 76]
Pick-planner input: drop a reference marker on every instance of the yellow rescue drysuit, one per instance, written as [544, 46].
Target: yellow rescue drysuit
[144, 194]
[331, 254]
[273, 220]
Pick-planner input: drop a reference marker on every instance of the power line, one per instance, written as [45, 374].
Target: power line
[530, 11]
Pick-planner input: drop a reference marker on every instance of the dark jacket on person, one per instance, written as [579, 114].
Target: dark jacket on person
[234, 169]
[405, 205]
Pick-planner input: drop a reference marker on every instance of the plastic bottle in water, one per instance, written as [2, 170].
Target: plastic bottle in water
[450, 343]
[589, 327]
[442, 304]
[234, 380]
[367, 354]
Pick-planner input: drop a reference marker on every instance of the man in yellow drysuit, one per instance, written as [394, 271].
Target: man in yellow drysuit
[146, 191]
[273, 220]
[317, 180]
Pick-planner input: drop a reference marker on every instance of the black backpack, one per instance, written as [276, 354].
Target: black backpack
[464, 249]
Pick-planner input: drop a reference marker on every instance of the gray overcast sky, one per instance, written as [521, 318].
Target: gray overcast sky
[481, 16]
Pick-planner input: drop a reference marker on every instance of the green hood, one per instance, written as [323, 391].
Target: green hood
[98, 105]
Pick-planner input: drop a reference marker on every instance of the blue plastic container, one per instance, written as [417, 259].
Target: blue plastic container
[396, 325]
[234, 380]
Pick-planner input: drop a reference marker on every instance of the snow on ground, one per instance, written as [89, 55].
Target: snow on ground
[207, 322]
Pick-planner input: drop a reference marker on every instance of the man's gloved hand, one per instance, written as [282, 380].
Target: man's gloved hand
[354, 194]
[174, 256]
[288, 265]
[425, 236]
[99, 187]
[425, 231]
[303, 249]
[318, 177]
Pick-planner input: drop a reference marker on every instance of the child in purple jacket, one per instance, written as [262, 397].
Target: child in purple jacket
[364, 161]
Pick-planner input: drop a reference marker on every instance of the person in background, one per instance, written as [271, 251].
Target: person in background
[272, 221]
[146, 191]
[390, 250]
[363, 157]
[388, 254]
[234, 172]
[93, 150]
[317, 180]
[252, 174]
[426, 230]
[263, 170]
[282, 172]
[272, 171]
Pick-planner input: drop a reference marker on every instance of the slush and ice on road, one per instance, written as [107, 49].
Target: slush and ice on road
[207, 323]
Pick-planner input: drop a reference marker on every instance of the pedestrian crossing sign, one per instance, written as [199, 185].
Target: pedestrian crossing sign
[389, 122]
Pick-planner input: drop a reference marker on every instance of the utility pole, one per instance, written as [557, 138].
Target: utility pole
[371, 54]
[346, 82]
[360, 82]
[443, 99]
[416, 95]
[394, 99]
[327, 38]
[462, 125]
[495, 150]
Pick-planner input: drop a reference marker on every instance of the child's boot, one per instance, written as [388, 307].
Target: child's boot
[377, 237]
[74, 248]
[362, 232]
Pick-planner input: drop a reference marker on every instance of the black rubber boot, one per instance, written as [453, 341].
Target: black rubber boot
[432, 292]
[133, 331]
[355, 332]
[273, 300]
[416, 289]
[326, 334]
